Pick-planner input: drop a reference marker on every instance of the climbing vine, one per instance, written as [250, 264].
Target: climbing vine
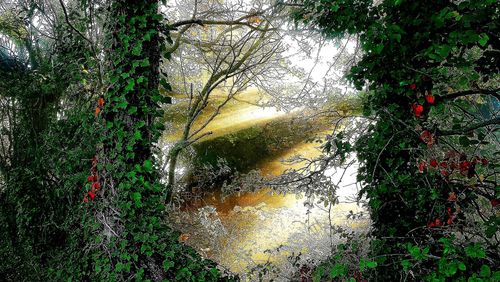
[131, 238]
[428, 161]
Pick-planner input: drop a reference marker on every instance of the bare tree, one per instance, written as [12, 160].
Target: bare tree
[218, 54]
[221, 48]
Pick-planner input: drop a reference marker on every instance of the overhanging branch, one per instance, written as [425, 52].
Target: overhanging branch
[494, 93]
[495, 121]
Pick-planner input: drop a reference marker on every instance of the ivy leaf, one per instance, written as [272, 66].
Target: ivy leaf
[475, 251]
[338, 270]
[363, 264]
[378, 48]
[405, 264]
[132, 110]
[461, 266]
[464, 141]
[130, 85]
[443, 50]
[485, 271]
[136, 196]
[167, 264]
[145, 63]
[148, 165]
[136, 51]
[137, 135]
[483, 39]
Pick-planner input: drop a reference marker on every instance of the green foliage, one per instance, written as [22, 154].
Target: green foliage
[52, 137]
[139, 244]
[412, 50]
[43, 170]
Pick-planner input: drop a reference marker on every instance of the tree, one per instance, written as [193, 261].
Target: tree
[41, 138]
[220, 49]
[425, 65]
[63, 118]
[126, 195]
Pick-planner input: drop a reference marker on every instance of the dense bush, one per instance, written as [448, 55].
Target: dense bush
[429, 161]
[79, 193]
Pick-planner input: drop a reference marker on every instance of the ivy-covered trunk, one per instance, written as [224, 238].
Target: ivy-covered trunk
[422, 163]
[129, 206]
[132, 239]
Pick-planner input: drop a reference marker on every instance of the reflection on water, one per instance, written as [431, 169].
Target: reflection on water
[255, 225]
[258, 223]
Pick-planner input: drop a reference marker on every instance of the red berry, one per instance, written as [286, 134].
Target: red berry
[421, 166]
[494, 202]
[438, 222]
[443, 164]
[433, 163]
[91, 195]
[449, 211]
[418, 109]
[430, 99]
[450, 221]
[96, 185]
[445, 173]
[464, 166]
[484, 161]
[413, 86]
[452, 197]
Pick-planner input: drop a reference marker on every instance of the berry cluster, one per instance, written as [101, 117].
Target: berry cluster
[425, 87]
[93, 179]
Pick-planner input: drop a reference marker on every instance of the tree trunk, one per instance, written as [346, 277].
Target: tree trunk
[174, 154]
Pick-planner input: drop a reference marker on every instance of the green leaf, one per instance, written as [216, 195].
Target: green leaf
[136, 196]
[136, 51]
[165, 84]
[464, 141]
[137, 135]
[167, 264]
[485, 271]
[443, 50]
[405, 264]
[148, 165]
[132, 110]
[475, 251]
[451, 269]
[377, 49]
[130, 85]
[338, 270]
[483, 39]
[363, 264]
[122, 105]
[145, 63]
